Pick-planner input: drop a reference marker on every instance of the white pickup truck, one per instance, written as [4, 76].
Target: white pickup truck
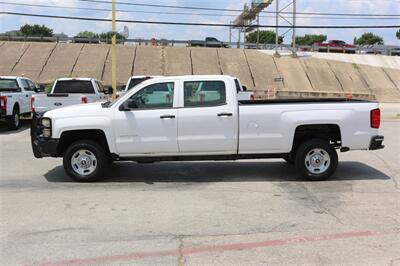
[169, 118]
[15, 99]
[69, 91]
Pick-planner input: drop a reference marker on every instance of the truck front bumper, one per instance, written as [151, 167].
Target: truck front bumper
[376, 143]
[42, 147]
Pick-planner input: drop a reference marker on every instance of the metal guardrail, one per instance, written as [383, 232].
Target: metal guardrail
[360, 49]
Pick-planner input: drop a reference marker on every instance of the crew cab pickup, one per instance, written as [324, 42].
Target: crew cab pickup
[208, 42]
[69, 91]
[200, 118]
[335, 46]
[15, 99]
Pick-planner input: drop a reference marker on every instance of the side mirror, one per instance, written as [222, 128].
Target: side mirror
[110, 91]
[244, 88]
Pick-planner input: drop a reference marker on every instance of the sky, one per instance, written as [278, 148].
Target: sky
[149, 31]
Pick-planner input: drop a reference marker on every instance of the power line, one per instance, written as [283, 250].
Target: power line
[198, 24]
[175, 13]
[239, 10]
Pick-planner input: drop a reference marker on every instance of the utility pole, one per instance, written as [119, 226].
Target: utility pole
[258, 30]
[277, 28]
[294, 54]
[114, 53]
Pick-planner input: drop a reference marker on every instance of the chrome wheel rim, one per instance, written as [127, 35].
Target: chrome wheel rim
[84, 162]
[317, 161]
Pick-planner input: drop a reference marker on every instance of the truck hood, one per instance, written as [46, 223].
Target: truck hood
[90, 109]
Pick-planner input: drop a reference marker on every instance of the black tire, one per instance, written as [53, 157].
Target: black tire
[324, 166]
[13, 121]
[288, 158]
[101, 160]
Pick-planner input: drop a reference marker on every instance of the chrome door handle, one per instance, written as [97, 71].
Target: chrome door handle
[225, 114]
[167, 116]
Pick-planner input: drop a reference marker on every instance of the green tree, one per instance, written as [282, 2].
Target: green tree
[398, 34]
[266, 36]
[368, 38]
[88, 34]
[35, 30]
[310, 39]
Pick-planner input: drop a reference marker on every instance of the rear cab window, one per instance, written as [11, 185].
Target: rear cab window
[204, 93]
[74, 86]
[135, 81]
[9, 85]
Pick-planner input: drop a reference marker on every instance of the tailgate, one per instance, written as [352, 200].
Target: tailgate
[47, 102]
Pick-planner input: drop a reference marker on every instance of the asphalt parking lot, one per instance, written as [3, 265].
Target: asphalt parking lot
[254, 212]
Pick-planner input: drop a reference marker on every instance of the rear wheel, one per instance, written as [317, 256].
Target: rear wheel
[316, 159]
[84, 161]
[13, 120]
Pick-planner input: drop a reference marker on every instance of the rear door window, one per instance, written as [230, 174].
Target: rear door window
[204, 93]
[74, 86]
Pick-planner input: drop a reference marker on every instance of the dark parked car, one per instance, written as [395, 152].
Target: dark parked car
[208, 42]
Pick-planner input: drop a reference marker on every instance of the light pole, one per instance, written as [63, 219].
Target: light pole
[114, 53]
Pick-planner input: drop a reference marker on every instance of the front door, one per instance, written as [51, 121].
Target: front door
[207, 123]
[150, 125]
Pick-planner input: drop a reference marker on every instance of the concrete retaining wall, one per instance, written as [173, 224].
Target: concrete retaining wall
[61, 62]
[148, 61]
[125, 59]
[205, 61]
[10, 54]
[91, 61]
[268, 76]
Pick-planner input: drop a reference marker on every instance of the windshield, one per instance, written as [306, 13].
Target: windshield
[74, 86]
[8, 84]
[136, 81]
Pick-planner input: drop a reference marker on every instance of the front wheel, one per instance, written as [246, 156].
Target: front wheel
[84, 161]
[316, 159]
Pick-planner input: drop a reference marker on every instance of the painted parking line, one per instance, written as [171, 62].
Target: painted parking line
[220, 248]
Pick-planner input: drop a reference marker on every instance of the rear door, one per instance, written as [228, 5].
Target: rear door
[208, 119]
[27, 93]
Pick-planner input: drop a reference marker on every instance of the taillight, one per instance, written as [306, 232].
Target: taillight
[84, 99]
[376, 118]
[3, 102]
[33, 104]
[252, 97]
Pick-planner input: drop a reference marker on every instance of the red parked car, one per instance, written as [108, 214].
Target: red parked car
[335, 46]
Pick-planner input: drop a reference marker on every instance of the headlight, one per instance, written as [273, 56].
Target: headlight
[46, 122]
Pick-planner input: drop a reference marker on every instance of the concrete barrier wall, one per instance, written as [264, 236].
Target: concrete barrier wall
[233, 62]
[34, 59]
[91, 61]
[264, 71]
[293, 74]
[148, 61]
[349, 77]
[61, 62]
[394, 75]
[44, 62]
[177, 61]
[321, 76]
[125, 60]
[380, 84]
[205, 61]
[10, 54]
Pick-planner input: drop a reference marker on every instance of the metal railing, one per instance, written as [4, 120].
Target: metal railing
[360, 49]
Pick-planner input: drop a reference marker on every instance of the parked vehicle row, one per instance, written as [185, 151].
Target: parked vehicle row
[201, 118]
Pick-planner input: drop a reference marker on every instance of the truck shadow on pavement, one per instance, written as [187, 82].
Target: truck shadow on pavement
[217, 172]
[4, 130]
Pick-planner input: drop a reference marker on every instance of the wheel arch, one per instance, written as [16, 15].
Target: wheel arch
[71, 136]
[328, 132]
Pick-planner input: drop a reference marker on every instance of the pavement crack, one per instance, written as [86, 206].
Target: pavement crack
[393, 261]
[392, 172]
[181, 257]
